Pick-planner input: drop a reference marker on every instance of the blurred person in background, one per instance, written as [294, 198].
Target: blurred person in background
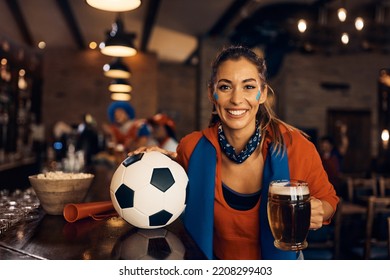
[125, 132]
[331, 160]
[332, 154]
[88, 138]
[164, 132]
[63, 134]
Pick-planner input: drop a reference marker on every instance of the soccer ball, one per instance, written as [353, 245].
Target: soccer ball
[149, 244]
[148, 190]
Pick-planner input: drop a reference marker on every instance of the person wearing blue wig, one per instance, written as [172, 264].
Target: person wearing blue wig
[231, 163]
[124, 129]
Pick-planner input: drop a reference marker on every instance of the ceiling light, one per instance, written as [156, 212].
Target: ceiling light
[359, 23]
[117, 69]
[5, 73]
[42, 45]
[302, 25]
[120, 96]
[385, 138]
[345, 38]
[118, 43]
[22, 83]
[385, 135]
[119, 85]
[92, 45]
[342, 14]
[115, 5]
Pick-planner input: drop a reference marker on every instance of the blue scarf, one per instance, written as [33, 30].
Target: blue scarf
[230, 151]
[199, 213]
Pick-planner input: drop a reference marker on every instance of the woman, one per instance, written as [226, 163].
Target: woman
[231, 163]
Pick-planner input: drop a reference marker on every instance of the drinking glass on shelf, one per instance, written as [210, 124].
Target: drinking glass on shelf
[17, 206]
[289, 213]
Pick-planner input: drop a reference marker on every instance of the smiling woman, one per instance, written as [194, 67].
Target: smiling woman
[231, 163]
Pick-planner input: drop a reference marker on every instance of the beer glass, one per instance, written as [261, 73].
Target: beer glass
[289, 213]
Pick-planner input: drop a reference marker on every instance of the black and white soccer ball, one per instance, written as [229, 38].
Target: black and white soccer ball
[149, 244]
[148, 190]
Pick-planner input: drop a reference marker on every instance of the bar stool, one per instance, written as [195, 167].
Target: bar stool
[384, 186]
[352, 215]
[388, 236]
[378, 213]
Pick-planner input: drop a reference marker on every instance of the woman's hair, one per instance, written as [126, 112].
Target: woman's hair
[265, 116]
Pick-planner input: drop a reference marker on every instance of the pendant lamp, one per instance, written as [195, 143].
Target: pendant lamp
[115, 5]
[118, 43]
[120, 96]
[117, 69]
[119, 85]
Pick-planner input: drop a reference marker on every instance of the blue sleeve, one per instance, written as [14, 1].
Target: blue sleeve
[143, 131]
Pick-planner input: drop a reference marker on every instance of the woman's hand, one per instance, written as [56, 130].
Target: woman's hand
[317, 213]
[145, 149]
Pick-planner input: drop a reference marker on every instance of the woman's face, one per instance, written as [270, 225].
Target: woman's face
[237, 94]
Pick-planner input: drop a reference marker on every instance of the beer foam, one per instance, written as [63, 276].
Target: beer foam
[283, 189]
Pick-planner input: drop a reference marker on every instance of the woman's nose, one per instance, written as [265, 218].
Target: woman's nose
[236, 97]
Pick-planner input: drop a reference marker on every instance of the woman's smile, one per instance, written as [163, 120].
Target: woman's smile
[236, 112]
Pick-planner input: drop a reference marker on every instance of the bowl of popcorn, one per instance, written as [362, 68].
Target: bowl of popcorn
[55, 189]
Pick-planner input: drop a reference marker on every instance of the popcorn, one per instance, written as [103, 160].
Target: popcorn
[59, 175]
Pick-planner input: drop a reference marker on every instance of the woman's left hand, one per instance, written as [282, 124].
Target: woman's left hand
[317, 213]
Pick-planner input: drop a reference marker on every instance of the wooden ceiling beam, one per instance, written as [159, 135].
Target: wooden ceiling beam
[228, 16]
[20, 20]
[72, 24]
[150, 18]
[222, 23]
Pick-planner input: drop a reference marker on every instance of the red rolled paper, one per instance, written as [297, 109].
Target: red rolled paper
[76, 211]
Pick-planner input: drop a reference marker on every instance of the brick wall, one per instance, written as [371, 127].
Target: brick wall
[74, 84]
[177, 95]
[305, 102]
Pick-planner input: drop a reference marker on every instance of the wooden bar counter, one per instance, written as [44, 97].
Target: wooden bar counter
[51, 237]
[47, 236]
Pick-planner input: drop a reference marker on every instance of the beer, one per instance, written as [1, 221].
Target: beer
[289, 214]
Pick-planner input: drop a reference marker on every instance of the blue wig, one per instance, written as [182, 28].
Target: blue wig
[122, 105]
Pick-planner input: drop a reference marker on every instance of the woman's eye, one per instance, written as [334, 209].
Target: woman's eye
[249, 87]
[224, 87]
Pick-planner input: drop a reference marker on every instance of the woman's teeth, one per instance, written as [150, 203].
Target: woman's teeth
[236, 112]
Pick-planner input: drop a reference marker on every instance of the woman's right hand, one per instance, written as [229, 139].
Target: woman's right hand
[145, 149]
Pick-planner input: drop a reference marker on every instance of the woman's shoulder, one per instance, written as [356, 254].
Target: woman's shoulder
[186, 146]
[191, 137]
[295, 137]
[188, 143]
[194, 136]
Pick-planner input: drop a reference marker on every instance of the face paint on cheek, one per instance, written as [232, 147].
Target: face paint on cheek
[215, 95]
[258, 95]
